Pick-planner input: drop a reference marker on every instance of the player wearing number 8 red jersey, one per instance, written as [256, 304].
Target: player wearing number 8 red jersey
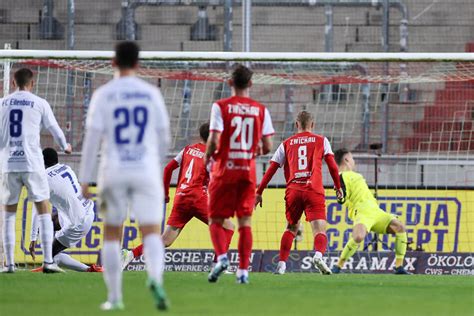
[301, 157]
[191, 196]
[237, 126]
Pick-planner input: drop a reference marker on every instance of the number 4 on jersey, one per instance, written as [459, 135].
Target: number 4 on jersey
[189, 172]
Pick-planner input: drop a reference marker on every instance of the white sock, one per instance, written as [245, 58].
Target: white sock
[9, 237]
[112, 270]
[222, 257]
[67, 261]
[154, 253]
[282, 264]
[46, 235]
[318, 255]
[242, 272]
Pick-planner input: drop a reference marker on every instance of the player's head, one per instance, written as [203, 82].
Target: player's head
[23, 79]
[304, 121]
[241, 78]
[126, 55]
[344, 159]
[204, 131]
[50, 156]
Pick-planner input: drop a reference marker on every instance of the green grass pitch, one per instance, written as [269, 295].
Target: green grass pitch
[34, 294]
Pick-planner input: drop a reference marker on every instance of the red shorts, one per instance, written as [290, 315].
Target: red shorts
[229, 199]
[184, 211]
[311, 203]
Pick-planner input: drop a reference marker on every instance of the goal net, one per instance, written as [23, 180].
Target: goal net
[408, 118]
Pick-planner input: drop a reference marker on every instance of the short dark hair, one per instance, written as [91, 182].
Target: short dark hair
[126, 54]
[50, 156]
[241, 76]
[23, 77]
[339, 155]
[204, 131]
[304, 118]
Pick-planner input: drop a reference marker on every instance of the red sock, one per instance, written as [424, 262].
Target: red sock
[219, 239]
[285, 245]
[229, 233]
[137, 251]
[320, 242]
[245, 247]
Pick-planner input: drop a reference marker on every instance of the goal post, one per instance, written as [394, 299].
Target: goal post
[418, 106]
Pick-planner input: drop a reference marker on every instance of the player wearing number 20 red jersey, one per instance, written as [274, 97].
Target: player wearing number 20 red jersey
[238, 124]
[191, 198]
[301, 157]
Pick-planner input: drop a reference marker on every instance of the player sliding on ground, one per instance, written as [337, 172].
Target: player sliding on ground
[74, 218]
[22, 115]
[129, 118]
[366, 214]
[191, 194]
[237, 126]
[301, 157]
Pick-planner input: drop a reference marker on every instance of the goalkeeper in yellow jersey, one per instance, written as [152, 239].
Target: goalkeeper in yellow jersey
[364, 211]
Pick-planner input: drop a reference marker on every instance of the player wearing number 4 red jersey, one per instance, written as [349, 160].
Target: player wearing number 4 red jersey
[301, 157]
[191, 194]
[237, 126]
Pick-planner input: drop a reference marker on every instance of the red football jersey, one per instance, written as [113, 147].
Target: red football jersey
[193, 177]
[242, 122]
[301, 157]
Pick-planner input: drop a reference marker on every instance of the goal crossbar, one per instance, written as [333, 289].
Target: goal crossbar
[245, 56]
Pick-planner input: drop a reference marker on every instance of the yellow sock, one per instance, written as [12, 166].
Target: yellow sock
[400, 248]
[349, 250]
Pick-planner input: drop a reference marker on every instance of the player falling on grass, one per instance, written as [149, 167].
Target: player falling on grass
[301, 157]
[366, 214]
[22, 115]
[237, 126]
[74, 218]
[191, 194]
[129, 118]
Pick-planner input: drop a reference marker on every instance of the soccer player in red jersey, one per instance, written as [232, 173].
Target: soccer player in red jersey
[238, 125]
[301, 157]
[191, 195]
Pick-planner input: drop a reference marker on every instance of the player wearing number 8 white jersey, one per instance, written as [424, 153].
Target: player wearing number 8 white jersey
[128, 118]
[22, 115]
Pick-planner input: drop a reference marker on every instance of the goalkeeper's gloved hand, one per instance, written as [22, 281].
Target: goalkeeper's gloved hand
[341, 196]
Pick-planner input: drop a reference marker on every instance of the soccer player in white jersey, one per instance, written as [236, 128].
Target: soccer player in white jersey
[22, 115]
[74, 217]
[129, 118]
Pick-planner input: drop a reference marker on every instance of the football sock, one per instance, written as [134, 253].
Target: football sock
[219, 239]
[112, 270]
[47, 235]
[229, 233]
[245, 247]
[349, 250]
[137, 251]
[285, 245]
[320, 243]
[67, 261]
[242, 272]
[9, 221]
[400, 248]
[155, 256]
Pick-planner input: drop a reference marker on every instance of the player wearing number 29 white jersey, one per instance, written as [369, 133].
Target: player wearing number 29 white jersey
[22, 115]
[128, 118]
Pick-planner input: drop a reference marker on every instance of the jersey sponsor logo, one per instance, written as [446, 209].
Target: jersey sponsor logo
[243, 109]
[16, 143]
[240, 155]
[304, 174]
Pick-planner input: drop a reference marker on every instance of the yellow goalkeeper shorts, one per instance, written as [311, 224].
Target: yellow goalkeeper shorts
[373, 218]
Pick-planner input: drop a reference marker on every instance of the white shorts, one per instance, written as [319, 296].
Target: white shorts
[71, 235]
[36, 185]
[143, 197]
